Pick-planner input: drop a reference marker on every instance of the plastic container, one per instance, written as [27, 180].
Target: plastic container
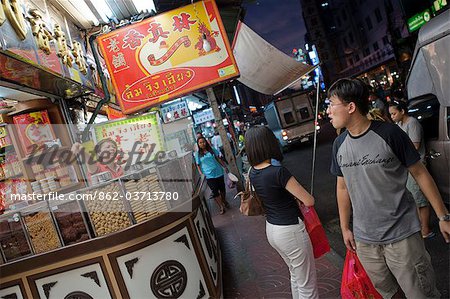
[107, 211]
[70, 221]
[13, 240]
[40, 227]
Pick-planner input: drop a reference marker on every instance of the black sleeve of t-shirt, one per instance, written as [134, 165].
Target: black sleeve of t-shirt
[399, 142]
[335, 169]
[283, 176]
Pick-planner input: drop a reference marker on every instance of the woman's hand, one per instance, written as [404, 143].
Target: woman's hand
[76, 148]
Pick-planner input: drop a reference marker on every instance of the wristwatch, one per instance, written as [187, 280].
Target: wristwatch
[444, 218]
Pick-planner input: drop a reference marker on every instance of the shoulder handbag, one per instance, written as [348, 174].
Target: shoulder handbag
[251, 204]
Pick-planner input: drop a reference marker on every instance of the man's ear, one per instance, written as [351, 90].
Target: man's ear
[351, 107]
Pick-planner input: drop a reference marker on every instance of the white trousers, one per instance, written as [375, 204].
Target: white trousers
[294, 246]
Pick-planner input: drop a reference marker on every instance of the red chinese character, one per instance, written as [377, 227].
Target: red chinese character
[133, 39]
[143, 137]
[118, 139]
[183, 112]
[183, 22]
[157, 32]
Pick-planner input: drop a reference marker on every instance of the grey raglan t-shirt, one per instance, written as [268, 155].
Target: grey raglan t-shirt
[374, 167]
[415, 132]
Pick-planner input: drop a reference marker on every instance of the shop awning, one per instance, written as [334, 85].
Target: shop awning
[263, 67]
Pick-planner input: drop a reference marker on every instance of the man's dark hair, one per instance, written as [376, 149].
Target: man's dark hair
[351, 90]
[261, 145]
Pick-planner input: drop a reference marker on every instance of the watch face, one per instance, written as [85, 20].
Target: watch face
[445, 218]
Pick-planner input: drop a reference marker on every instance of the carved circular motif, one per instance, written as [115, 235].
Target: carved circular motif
[169, 280]
[78, 295]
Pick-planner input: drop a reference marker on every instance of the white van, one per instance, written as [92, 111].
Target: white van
[428, 86]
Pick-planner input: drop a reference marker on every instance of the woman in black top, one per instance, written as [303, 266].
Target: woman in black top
[278, 190]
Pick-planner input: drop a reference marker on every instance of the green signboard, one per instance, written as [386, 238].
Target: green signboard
[438, 5]
[417, 21]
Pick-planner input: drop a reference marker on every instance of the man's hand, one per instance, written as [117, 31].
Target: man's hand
[349, 241]
[444, 226]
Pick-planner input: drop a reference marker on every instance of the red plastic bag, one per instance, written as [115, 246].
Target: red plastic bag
[355, 281]
[315, 230]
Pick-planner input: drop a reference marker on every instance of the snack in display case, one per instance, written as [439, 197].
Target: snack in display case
[34, 128]
[69, 220]
[41, 229]
[143, 191]
[106, 208]
[13, 241]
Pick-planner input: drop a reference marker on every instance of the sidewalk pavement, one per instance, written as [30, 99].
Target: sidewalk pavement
[251, 268]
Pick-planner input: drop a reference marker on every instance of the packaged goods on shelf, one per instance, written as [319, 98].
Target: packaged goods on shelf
[5, 140]
[40, 227]
[13, 162]
[34, 129]
[2, 171]
[13, 242]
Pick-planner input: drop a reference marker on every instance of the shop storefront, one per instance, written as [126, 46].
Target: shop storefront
[141, 230]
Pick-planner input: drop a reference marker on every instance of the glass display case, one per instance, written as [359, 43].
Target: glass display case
[107, 211]
[13, 240]
[70, 220]
[40, 227]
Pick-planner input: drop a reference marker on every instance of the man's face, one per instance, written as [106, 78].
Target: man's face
[337, 112]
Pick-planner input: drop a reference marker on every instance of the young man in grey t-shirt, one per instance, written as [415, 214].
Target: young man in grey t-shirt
[371, 161]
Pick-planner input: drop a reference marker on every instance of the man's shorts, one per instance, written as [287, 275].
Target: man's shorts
[413, 187]
[404, 264]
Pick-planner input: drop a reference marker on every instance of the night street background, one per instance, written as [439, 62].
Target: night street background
[279, 22]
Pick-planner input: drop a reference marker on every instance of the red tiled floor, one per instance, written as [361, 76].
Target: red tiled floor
[251, 267]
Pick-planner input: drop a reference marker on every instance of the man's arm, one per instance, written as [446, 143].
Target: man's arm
[430, 190]
[344, 206]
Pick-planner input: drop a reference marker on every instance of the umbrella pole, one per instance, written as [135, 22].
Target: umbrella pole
[315, 138]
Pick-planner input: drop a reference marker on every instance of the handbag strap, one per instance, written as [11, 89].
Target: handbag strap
[250, 186]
